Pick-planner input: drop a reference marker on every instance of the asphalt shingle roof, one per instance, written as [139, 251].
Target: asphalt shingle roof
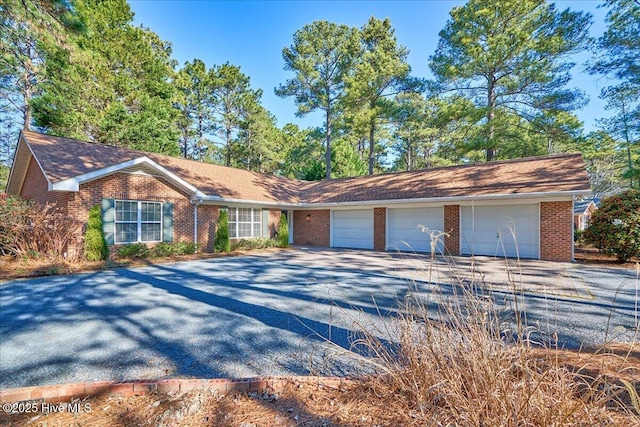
[64, 158]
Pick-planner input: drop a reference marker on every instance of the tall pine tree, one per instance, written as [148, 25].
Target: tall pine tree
[509, 57]
[617, 56]
[321, 56]
[381, 72]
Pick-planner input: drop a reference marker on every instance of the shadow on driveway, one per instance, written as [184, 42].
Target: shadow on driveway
[247, 316]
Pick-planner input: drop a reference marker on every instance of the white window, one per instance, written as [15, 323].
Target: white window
[245, 223]
[138, 221]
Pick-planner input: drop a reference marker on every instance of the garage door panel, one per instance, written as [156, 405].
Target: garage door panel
[352, 229]
[405, 228]
[511, 231]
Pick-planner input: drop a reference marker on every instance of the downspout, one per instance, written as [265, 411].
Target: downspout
[195, 222]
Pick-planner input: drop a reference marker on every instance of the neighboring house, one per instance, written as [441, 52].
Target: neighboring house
[582, 211]
[520, 207]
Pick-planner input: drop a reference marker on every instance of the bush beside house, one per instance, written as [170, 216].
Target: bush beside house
[222, 243]
[95, 245]
[615, 226]
[30, 230]
[283, 232]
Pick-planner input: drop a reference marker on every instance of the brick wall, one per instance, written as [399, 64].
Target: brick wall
[452, 228]
[128, 186]
[35, 187]
[556, 231]
[379, 229]
[207, 222]
[274, 222]
[312, 232]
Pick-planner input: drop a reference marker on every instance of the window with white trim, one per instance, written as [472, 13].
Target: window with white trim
[138, 221]
[245, 223]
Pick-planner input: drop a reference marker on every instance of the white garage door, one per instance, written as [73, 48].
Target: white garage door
[511, 231]
[405, 229]
[352, 229]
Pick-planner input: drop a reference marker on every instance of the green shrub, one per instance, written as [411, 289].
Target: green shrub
[283, 232]
[577, 236]
[257, 243]
[615, 227]
[95, 245]
[221, 243]
[185, 248]
[163, 249]
[135, 250]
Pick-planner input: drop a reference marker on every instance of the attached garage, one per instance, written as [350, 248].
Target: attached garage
[352, 229]
[511, 231]
[405, 228]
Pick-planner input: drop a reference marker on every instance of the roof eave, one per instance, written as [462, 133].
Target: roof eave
[555, 194]
[217, 200]
[13, 162]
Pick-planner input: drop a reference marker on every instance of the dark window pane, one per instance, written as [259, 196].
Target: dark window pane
[126, 233]
[150, 232]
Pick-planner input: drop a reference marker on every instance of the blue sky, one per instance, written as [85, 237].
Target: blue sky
[252, 34]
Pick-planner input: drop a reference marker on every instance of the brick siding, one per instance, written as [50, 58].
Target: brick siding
[380, 229]
[274, 222]
[452, 228]
[129, 186]
[36, 188]
[207, 222]
[556, 218]
[314, 232]
[556, 231]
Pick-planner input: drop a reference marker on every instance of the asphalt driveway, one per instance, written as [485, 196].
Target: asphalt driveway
[270, 314]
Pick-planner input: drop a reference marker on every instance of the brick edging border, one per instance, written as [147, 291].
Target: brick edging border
[66, 392]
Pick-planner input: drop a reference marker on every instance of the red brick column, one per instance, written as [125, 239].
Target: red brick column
[452, 228]
[207, 223]
[379, 229]
[556, 231]
[312, 228]
[274, 221]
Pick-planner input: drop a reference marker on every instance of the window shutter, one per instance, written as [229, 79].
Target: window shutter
[167, 222]
[108, 220]
[265, 223]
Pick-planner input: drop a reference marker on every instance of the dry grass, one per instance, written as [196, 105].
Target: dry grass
[371, 402]
[457, 358]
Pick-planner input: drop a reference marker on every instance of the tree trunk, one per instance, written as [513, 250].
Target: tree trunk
[26, 114]
[372, 147]
[490, 116]
[185, 144]
[27, 117]
[200, 136]
[628, 142]
[328, 144]
[227, 155]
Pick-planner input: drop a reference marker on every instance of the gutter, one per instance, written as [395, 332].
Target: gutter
[507, 196]
[195, 222]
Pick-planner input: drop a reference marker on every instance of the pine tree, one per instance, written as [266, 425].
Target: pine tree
[322, 56]
[509, 57]
[617, 55]
[381, 72]
[114, 86]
